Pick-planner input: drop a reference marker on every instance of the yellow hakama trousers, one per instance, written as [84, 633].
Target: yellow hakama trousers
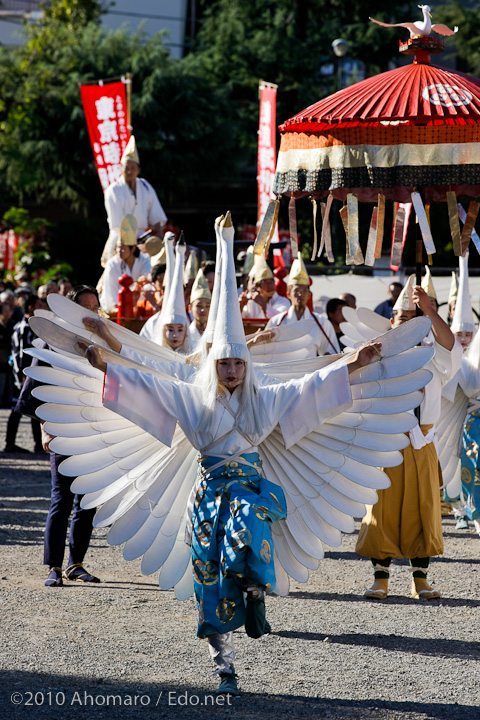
[406, 521]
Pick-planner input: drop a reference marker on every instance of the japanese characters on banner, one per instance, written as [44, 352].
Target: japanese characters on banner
[266, 149]
[105, 108]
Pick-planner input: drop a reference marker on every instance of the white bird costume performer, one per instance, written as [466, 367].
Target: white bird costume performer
[459, 426]
[264, 500]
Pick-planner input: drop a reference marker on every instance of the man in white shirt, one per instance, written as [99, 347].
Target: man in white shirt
[132, 195]
[262, 301]
[325, 341]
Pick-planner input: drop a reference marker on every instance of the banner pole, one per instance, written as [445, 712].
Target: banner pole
[128, 83]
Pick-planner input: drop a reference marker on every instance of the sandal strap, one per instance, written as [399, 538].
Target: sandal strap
[76, 566]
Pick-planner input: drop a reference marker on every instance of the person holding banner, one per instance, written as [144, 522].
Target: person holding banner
[131, 195]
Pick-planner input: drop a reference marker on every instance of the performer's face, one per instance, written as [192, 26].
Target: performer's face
[464, 338]
[200, 310]
[231, 372]
[131, 170]
[174, 334]
[401, 317]
[299, 296]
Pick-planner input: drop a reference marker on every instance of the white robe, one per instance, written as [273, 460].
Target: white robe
[299, 406]
[276, 304]
[144, 205]
[320, 344]
[116, 267]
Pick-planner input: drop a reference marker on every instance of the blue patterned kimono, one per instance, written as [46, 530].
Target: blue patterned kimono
[471, 465]
[231, 539]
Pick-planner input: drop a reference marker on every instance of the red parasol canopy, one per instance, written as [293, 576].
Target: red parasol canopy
[414, 127]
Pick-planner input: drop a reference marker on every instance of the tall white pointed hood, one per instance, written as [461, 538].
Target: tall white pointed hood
[173, 309]
[463, 320]
[207, 336]
[229, 335]
[168, 240]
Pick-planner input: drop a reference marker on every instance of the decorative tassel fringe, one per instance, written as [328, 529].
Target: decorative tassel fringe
[292, 222]
[423, 222]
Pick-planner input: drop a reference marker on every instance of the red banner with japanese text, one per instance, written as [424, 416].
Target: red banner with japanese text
[8, 245]
[266, 159]
[105, 108]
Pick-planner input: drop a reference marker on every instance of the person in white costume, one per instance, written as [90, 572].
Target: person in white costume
[263, 300]
[200, 300]
[324, 338]
[225, 415]
[460, 409]
[128, 261]
[134, 451]
[170, 327]
[131, 195]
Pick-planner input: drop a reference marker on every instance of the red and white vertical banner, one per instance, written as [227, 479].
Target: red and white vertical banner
[8, 245]
[267, 150]
[105, 108]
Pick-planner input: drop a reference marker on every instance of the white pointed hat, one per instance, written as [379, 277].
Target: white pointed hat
[427, 283]
[298, 273]
[173, 308]
[168, 240]
[248, 260]
[229, 335]
[404, 300]
[452, 294]
[130, 152]
[200, 289]
[260, 270]
[207, 337]
[128, 230]
[191, 268]
[463, 320]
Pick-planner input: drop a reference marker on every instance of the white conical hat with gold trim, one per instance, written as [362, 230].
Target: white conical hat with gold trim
[404, 300]
[228, 335]
[452, 293]
[298, 273]
[168, 240]
[248, 261]
[427, 283]
[128, 230]
[260, 270]
[463, 320]
[200, 289]
[191, 268]
[173, 308]
[130, 152]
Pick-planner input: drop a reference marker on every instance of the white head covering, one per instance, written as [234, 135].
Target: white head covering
[298, 273]
[452, 294]
[191, 268]
[173, 308]
[260, 270]
[404, 300]
[168, 239]
[463, 320]
[427, 283]
[200, 289]
[130, 152]
[229, 335]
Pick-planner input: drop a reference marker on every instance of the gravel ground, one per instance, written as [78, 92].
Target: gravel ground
[125, 649]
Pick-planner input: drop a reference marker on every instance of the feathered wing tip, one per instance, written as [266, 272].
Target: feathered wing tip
[69, 315]
[463, 320]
